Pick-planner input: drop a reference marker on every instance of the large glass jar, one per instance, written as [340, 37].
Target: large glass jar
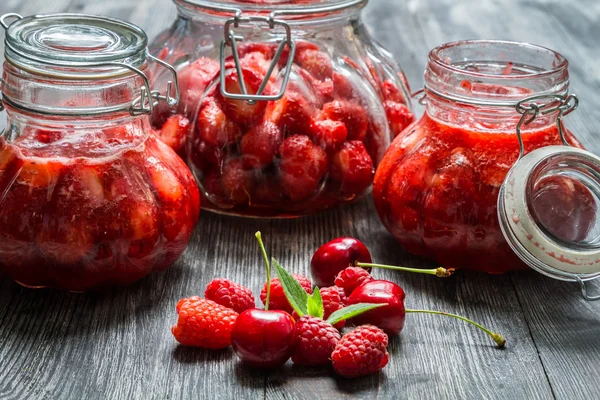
[307, 139]
[89, 196]
[437, 187]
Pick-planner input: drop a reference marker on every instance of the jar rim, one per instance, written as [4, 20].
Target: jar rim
[435, 55]
[495, 72]
[282, 9]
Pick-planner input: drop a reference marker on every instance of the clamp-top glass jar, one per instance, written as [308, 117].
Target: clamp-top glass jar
[292, 103]
[88, 195]
[437, 188]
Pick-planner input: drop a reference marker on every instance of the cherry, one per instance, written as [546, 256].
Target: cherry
[264, 338]
[335, 256]
[391, 317]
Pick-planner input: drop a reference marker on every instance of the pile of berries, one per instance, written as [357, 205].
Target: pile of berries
[301, 322]
[319, 142]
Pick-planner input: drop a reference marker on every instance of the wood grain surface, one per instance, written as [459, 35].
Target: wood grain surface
[117, 344]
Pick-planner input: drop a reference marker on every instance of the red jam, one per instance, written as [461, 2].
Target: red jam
[315, 148]
[437, 187]
[87, 208]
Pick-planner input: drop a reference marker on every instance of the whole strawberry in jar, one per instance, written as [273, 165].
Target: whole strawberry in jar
[292, 104]
[89, 196]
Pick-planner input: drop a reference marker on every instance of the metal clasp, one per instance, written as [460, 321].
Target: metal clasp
[530, 110]
[230, 39]
[584, 291]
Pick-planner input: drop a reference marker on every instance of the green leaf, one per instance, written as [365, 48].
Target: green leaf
[352, 311]
[294, 292]
[315, 304]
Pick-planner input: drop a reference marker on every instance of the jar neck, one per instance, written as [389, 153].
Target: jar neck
[318, 12]
[48, 95]
[479, 83]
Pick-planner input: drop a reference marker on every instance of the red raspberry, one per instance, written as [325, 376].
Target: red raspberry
[314, 342]
[302, 167]
[203, 323]
[361, 352]
[352, 114]
[334, 299]
[352, 167]
[261, 144]
[229, 294]
[351, 278]
[278, 301]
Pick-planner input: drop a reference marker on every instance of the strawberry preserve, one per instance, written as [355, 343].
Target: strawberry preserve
[437, 187]
[291, 104]
[89, 196]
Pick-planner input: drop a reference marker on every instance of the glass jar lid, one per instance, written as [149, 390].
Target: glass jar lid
[54, 44]
[78, 48]
[549, 202]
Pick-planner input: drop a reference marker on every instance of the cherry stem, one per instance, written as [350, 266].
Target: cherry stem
[500, 341]
[268, 268]
[440, 272]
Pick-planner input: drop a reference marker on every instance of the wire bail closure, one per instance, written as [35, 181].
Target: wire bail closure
[230, 39]
[142, 104]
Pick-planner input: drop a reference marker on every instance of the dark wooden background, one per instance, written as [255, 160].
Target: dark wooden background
[117, 344]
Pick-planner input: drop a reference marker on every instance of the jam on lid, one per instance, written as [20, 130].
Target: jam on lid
[80, 47]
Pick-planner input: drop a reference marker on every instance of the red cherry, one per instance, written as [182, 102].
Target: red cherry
[389, 318]
[335, 256]
[263, 339]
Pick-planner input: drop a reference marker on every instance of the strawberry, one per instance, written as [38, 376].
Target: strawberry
[324, 90]
[302, 167]
[316, 62]
[314, 341]
[261, 144]
[398, 115]
[352, 167]
[193, 80]
[292, 113]
[391, 92]
[353, 115]
[301, 45]
[240, 111]
[174, 132]
[330, 135]
[238, 183]
[203, 323]
[342, 88]
[214, 127]
[229, 294]
[361, 352]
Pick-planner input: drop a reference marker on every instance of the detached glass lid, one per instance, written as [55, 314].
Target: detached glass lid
[549, 203]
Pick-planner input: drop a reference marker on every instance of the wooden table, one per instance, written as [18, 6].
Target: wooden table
[117, 344]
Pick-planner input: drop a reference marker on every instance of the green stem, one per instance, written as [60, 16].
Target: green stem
[440, 272]
[500, 341]
[268, 268]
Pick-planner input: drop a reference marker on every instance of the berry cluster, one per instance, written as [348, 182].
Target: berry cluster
[301, 322]
[319, 142]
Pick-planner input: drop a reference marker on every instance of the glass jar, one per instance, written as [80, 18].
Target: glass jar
[88, 195]
[437, 187]
[311, 118]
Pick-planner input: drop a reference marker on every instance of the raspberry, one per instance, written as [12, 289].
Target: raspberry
[351, 278]
[314, 342]
[334, 299]
[278, 301]
[203, 323]
[229, 294]
[361, 352]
